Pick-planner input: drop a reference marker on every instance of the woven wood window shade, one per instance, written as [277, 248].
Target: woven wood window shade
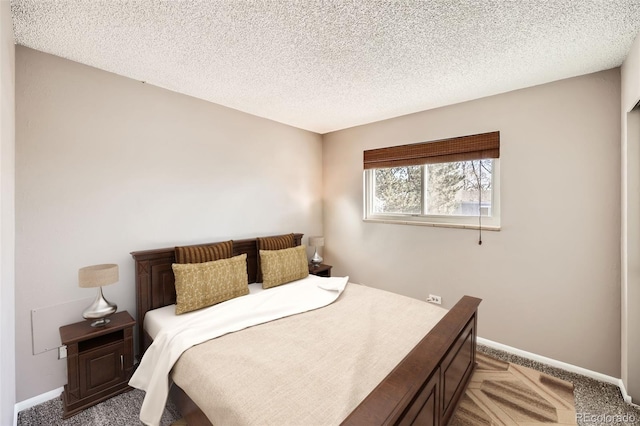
[463, 148]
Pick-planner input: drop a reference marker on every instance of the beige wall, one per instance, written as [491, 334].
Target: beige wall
[7, 216]
[550, 278]
[106, 165]
[630, 74]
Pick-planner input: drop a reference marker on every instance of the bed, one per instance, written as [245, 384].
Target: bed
[423, 388]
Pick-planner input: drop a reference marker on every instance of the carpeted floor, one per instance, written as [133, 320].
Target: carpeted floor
[596, 403]
[121, 410]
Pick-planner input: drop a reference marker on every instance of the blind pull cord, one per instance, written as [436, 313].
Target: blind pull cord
[480, 206]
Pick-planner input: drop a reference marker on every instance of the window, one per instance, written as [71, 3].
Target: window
[452, 189]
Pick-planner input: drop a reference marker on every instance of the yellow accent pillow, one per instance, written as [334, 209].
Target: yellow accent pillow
[199, 285]
[283, 266]
[276, 242]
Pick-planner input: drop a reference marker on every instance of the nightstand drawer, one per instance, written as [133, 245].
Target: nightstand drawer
[101, 369]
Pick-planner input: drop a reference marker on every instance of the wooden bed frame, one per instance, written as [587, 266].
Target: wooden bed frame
[424, 389]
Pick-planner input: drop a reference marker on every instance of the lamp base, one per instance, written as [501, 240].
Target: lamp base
[99, 310]
[316, 260]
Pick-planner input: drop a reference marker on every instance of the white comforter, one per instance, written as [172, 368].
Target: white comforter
[152, 375]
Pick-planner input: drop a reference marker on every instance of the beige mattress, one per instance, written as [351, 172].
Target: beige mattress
[312, 368]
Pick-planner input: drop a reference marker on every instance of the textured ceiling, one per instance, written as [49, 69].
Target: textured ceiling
[327, 65]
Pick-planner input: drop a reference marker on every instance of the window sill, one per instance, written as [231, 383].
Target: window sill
[434, 224]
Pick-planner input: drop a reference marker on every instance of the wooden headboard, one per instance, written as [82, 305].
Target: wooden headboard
[155, 283]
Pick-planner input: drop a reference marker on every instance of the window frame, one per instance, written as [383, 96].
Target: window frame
[451, 221]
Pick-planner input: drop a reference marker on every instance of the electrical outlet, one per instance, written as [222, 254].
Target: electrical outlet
[434, 299]
[62, 352]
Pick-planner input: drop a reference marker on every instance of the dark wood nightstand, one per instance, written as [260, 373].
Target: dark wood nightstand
[320, 270]
[99, 361]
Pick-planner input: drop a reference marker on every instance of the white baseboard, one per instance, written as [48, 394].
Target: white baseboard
[31, 402]
[559, 364]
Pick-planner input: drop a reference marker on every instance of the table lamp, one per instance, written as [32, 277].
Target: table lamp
[98, 276]
[316, 242]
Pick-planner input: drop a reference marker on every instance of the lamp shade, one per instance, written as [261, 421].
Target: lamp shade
[316, 241]
[98, 275]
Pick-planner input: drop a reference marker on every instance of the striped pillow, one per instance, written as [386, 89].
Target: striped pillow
[201, 254]
[277, 242]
